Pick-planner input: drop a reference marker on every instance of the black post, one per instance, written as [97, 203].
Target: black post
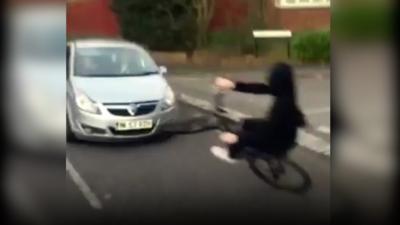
[255, 47]
[289, 52]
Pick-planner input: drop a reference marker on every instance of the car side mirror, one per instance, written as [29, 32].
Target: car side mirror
[163, 70]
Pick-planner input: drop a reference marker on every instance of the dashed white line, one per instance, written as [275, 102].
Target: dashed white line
[324, 129]
[313, 143]
[83, 187]
[318, 111]
[304, 138]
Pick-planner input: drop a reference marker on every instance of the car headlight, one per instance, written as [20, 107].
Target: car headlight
[169, 99]
[86, 104]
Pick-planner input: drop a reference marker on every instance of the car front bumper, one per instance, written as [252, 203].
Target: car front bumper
[94, 127]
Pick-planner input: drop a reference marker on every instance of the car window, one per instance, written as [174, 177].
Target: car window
[113, 62]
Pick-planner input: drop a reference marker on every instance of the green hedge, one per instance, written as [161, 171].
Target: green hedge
[312, 47]
[231, 41]
[360, 22]
[307, 47]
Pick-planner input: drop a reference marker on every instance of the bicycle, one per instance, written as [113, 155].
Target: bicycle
[277, 171]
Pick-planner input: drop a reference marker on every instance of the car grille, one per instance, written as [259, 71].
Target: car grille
[119, 112]
[131, 132]
[142, 108]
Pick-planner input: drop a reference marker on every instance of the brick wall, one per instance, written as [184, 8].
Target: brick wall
[272, 15]
[91, 18]
[229, 13]
[297, 19]
[94, 17]
[304, 19]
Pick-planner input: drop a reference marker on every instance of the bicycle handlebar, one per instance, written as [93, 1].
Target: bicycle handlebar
[220, 111]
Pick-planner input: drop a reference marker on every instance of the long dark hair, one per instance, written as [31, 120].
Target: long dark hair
[281, 81]
[282, 84]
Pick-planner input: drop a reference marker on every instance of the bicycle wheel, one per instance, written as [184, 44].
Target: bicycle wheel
[287, 175]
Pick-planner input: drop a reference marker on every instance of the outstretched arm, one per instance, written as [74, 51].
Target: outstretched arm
[255, 124]
[255, 88]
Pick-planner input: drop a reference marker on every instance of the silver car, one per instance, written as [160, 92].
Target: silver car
[115, 91]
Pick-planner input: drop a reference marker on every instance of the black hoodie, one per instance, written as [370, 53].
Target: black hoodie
[279, 128]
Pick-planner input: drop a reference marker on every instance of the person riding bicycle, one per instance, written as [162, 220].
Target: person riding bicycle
[276, 133]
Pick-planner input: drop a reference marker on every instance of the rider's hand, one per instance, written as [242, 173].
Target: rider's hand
[224, 84]
[229, 138]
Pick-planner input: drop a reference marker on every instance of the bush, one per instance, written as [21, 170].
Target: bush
[226, 40]
[361, 21]
[231, 41]
[312, 47]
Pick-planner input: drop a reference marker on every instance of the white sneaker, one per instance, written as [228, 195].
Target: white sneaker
[222, 154]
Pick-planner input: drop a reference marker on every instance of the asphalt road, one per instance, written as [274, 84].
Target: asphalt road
[178, 180]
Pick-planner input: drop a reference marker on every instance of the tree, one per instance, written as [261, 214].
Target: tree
[204, 13]
[166, 25]
[158, 24]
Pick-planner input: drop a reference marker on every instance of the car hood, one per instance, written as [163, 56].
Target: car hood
[122, 89]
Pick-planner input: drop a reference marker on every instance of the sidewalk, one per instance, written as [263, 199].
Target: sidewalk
[205, 60]
[312, 71]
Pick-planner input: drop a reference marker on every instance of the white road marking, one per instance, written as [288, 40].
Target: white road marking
[324, 129]
[318, 111]
[189, 78]
[313, 143]
[193, 77]
[83, 187]
[304, 138]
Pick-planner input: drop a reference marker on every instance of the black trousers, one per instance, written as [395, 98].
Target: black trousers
[262, 139]
[247, 139]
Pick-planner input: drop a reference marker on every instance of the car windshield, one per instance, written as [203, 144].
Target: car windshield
[115, 61]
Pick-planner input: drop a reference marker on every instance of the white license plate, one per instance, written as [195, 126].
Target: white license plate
[134, 125]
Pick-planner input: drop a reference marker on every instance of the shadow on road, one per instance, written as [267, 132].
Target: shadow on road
[294, 178]
[192, 126]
